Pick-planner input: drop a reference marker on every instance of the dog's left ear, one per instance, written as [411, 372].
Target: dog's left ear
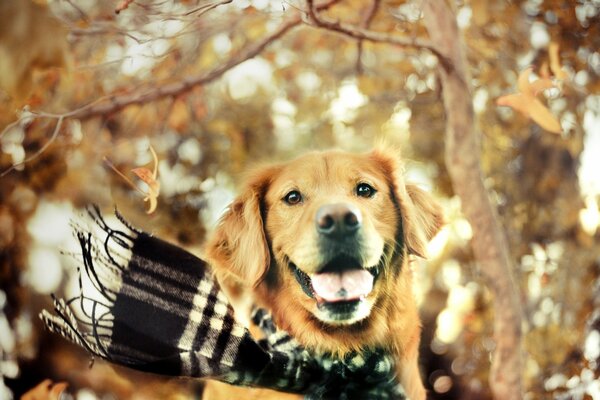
[239, 245]
[423, 222]
[421, 215]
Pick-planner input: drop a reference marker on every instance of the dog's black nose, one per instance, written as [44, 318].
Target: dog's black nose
[338, 220]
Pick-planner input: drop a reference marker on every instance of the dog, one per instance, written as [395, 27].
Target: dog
[323, 242]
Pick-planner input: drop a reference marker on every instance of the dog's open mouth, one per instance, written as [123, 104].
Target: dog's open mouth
[342, 280]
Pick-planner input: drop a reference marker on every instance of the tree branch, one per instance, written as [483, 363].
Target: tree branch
[356, 32]
[53, 137]
[463, 161]
[115, 103]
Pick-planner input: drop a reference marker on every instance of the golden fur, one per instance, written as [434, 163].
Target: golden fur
[260, 234]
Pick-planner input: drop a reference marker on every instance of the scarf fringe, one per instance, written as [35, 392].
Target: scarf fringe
[85, 320]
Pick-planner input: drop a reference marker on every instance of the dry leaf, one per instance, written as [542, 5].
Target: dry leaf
[45, 390]
[515, 101]
[527, 104]
[540, 85]
[523, 81]
[544, 70]
[543, 117]
[148, 177]
[555, 66]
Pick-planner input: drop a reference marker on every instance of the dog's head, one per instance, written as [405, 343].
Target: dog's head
[323, 238]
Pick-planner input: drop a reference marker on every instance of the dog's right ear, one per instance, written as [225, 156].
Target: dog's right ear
[239, 245]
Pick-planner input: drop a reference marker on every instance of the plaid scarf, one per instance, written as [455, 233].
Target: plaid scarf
[152, 306]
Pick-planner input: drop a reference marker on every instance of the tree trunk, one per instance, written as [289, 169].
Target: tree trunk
[463, 161]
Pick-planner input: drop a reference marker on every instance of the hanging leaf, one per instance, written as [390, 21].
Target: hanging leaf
[150, 178]
[543, 117]
[528, 104]
[555, 65]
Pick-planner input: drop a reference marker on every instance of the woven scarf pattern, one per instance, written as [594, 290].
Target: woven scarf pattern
[152, 306]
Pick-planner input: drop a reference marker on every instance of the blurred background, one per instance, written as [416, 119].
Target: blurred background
[172, 75]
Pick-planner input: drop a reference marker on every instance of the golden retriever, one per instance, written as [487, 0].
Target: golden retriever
[323, 242]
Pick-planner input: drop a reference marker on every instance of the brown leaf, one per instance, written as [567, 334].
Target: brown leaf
[150, 179]
[147, 176]
[45, 390]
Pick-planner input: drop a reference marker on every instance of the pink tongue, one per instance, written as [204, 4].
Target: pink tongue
[342, 286]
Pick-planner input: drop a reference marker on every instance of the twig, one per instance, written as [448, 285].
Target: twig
[203, 9]
[123, 176]
[40, 151]
[365, 24]
[357, 32]
[81, 13]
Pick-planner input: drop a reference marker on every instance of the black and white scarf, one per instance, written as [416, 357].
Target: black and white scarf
[152, 306]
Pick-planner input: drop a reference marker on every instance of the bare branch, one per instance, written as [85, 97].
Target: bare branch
[118, 102]
[114, 103]
[463, 161]
[110, 104]
[203, 9]
[40, 151]
[357, 32]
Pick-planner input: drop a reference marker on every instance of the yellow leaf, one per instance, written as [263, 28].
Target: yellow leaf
[529, 88]
[523, 82]
[527, 104]
[153, 203]
[543, 117]
[555, 66]
[516, 101]
[539, 85]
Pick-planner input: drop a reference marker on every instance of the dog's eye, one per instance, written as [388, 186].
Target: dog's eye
[365, 190]
[293, 197]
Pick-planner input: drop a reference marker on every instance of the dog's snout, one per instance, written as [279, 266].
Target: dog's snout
[338, 220]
